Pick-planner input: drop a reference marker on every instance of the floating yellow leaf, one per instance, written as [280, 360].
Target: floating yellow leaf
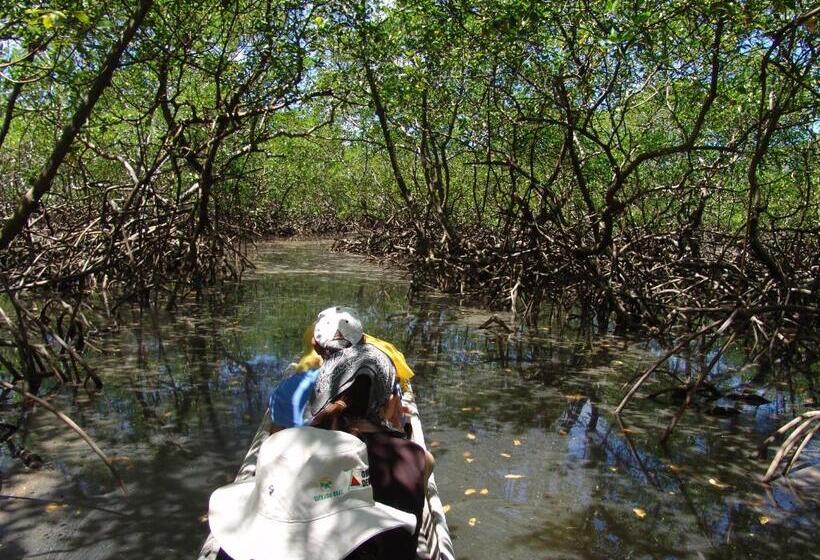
[516, 442]
[763, 519]
[613, 469]
[469, 491]
[434, 444]
[470, 436]
[445, 508]
[575, 397]
[167, 414]
[562, 432]
[756, 501]
[469, 459]
[467, 409]
[639, 512]
[467, 454]
[472, 521]
[514, 476]
[506, 455]
[52, 507]
[717, 484]
[484, 491]
[674, 468]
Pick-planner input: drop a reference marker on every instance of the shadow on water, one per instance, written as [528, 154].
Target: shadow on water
[530, 461]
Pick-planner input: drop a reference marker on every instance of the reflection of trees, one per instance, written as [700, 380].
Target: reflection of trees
[487, 382]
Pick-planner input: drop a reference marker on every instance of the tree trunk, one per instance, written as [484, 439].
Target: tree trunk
[28, 202]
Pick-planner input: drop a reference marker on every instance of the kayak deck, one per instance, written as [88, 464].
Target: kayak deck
[434, 538]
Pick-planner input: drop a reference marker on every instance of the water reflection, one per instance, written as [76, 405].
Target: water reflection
[523, 420]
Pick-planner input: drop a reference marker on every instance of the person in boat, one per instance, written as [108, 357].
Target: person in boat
[336, 328]
[357, 392]
[311, 499]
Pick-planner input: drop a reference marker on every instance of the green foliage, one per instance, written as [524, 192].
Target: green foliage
[488, 103]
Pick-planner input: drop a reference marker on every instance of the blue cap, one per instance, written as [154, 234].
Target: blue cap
[289, 398]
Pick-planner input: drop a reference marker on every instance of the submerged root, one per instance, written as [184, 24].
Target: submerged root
[802, 430]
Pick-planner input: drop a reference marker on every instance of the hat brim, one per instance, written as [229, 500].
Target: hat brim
[245, 535]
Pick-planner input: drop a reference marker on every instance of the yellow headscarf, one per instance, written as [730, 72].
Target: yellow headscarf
[403, 371]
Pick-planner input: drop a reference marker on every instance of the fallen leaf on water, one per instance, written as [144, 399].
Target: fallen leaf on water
[434, 444]
[575, 397]
[639, 512]
[717, 484]
[120, 459]
[469, 491]
[562, 432]
[506, 455]
[470, 436]
[756, 501]
[52, 507]
[203, 518]
[467, 454]
[445, 508]
[484, 491]
[516, 442]
[763, 519]
[469, 459]
[472, 521]
[674, 468]
[467, 409]
[514, 476]
[613, 469]
[167, 414]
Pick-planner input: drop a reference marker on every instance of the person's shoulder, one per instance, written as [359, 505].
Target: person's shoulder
[378, 356]
[359, 356]
[393, 440]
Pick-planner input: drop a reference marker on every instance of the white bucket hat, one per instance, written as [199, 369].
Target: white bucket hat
[337, 328]
[310, 500]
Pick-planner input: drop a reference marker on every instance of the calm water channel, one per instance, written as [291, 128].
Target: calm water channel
[530, 461]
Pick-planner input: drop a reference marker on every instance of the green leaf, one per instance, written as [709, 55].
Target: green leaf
[82, 17]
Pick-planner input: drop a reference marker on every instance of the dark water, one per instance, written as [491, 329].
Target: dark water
[530, 461]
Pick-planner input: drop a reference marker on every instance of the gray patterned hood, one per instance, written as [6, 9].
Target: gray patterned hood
[340, 371]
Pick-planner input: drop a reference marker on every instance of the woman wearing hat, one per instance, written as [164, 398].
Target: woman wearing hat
[311, 499]
[335, 329]
[356, 391]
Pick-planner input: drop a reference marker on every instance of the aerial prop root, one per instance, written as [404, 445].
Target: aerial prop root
[807, 425]
[71, 424]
